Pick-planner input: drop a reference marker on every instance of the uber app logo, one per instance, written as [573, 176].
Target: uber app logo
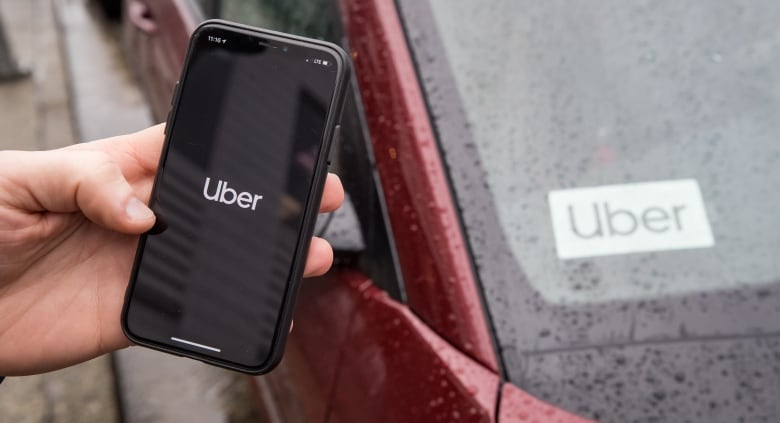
[629, 218]
[225, 195]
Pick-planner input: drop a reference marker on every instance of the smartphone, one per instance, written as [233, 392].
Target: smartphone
[237, 193]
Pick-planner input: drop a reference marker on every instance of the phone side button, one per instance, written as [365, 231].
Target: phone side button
[334, 143]
[175, 92]
[336, 135]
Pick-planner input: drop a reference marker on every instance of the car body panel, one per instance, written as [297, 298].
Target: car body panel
[518, 406]
[396, 369]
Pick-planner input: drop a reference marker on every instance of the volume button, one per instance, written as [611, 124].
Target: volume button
[175, 93]
[336, 136]
[335, 141]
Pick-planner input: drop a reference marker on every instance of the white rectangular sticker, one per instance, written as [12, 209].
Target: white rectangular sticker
[629, 218]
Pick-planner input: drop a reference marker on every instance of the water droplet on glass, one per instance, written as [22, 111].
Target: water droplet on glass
[716, 57]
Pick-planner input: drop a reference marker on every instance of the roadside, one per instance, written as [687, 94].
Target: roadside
[35, 115]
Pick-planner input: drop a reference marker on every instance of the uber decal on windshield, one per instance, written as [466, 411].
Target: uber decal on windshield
[629, 218]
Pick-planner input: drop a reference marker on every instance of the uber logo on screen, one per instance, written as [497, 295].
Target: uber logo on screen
[629, 218]
[225, 195]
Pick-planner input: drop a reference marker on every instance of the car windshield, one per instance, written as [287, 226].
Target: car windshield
[616, 166]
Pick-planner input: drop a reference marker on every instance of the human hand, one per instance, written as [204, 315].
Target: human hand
[69, 226]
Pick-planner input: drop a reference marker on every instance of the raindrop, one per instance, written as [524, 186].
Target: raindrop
[649, 57]
[716, 57]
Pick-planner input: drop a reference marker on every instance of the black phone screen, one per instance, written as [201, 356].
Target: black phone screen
[232, 189]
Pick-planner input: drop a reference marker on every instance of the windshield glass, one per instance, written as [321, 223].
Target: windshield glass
[616, 166]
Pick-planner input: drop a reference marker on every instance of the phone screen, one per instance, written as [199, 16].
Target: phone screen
[232, 188]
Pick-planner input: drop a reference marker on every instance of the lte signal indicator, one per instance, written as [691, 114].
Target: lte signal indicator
[318, 62]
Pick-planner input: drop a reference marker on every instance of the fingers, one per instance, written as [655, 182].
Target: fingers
[320, 258]
[332, 195]
[66, 181]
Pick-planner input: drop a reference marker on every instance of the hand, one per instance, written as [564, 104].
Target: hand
[69, 226]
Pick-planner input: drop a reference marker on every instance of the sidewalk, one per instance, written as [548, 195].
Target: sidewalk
[34, 111]
[35, 115]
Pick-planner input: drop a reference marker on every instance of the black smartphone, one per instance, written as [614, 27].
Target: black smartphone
[237, 193]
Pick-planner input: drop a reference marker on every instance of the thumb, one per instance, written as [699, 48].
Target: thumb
[66, 181]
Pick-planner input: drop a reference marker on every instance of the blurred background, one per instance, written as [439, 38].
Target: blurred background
[451, 298]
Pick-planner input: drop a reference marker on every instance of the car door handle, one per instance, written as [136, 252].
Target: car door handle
[141, 16]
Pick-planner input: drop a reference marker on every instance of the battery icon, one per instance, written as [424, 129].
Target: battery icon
[325, 62]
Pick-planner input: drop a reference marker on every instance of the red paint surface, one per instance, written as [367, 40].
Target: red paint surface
[519, 407]
[439, 281]
[395, 369]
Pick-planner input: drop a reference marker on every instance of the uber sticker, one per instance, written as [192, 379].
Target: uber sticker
[629, 218]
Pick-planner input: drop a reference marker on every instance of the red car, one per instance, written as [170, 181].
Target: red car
[473, 279]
